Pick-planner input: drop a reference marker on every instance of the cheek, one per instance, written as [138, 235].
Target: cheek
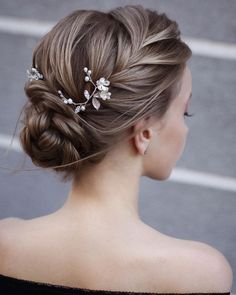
[175, 137]
[180, 137]
[166, 148]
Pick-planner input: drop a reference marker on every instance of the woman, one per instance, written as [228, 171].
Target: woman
[107, 93]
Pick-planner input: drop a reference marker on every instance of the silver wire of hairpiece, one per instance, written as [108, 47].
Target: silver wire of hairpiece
[103, 93]
[101, 85]
[33, 74]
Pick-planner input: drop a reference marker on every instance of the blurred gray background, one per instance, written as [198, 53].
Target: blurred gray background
[198, 202]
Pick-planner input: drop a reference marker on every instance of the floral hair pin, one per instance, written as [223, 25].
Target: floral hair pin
[103, 93]
[101, 90]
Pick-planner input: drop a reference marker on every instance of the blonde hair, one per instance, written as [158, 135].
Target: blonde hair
[138, 50]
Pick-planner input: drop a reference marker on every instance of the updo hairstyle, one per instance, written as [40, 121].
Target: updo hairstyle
[138, 50]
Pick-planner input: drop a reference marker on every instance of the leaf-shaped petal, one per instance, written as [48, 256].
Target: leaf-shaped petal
[96, 103]
[86, 94]
[97, 94]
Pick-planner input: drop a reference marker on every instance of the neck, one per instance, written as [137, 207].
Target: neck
[110, 190]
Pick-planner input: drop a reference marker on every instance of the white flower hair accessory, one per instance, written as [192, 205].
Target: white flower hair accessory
[101, 90]
[33, 74]
[102, 93]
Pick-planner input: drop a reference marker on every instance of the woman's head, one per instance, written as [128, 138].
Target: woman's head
[138, 50]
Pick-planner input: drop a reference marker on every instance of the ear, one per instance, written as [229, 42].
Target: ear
[142, 138]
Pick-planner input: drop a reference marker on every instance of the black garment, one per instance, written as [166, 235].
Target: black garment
[10, 286]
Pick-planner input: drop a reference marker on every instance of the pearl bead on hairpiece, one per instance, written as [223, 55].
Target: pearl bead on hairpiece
[101, 86]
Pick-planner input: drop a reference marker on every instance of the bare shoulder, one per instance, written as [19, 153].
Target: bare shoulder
[217, 264]
[172, 265]
[202, 268]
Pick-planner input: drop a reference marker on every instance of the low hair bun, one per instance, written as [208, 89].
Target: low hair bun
[49, 136]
